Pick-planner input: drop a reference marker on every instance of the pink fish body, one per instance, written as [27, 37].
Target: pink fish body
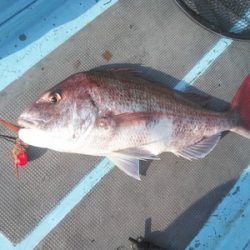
[126, 117]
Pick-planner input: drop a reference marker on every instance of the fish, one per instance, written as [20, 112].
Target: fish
[122, 115]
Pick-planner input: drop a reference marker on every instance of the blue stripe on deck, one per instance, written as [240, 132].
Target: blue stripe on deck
[57, 214]
[206, 61]
[51, 220]
[53, 39]
[5, 243]
[228, 226]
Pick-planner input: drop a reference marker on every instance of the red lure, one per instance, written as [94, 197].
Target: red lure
[19, 152]
[20, 155]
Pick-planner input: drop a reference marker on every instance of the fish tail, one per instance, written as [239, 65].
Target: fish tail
[241, 105]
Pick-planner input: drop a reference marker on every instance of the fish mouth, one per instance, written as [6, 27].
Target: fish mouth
[25, 122]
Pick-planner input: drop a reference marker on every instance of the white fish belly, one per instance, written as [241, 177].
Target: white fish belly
[154, 136]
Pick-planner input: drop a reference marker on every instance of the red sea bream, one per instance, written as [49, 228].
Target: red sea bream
[125, 117]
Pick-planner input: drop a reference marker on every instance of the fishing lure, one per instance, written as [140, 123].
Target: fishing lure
[19, 151]
[20, 155]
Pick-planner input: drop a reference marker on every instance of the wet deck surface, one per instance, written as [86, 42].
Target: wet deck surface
[175, 196]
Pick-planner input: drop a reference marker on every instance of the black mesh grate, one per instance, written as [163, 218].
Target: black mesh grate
[227, 17]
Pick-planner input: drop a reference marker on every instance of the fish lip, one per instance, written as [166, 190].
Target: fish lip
[24, 122]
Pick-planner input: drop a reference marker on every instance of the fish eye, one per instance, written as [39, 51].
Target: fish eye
[55, 97]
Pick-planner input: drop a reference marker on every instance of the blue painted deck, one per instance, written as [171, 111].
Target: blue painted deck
[27, 37]
[32, 29]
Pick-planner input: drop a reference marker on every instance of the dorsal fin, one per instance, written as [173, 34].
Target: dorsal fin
[123, 74]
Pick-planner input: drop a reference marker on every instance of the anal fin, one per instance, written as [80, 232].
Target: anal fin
[200, 149]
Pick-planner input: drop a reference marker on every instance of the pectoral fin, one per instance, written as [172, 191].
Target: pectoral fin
[200, 149]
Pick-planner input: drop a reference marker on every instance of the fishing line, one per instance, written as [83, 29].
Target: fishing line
[8, 138]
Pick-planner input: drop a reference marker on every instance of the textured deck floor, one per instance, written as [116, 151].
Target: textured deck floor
[175, 196]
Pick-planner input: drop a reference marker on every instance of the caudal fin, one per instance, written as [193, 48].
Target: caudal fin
[241, 105]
